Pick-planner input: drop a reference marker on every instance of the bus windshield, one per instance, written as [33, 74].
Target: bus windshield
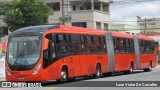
[23, 51]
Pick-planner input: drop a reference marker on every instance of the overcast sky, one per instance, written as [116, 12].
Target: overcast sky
[126, 11]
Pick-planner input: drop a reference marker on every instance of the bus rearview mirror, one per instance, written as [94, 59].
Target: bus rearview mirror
[4, 47]
[46, 43]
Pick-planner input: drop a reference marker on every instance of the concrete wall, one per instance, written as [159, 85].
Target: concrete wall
[149, 24]
[88, 16]
[102, 17]
[125, 28]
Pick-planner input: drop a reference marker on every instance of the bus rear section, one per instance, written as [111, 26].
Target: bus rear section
[147, 48]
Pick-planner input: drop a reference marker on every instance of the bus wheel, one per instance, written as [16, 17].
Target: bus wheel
[150, 66]
[131, 68]
[98, 71]
[64, 76]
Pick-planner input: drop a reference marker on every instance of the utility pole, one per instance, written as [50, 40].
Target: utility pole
[63, 22]
[145, 26]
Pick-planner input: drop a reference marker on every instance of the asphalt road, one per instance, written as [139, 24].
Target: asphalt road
[80, 83]
[153, 75]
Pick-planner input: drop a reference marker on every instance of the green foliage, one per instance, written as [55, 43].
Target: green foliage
[22, 13]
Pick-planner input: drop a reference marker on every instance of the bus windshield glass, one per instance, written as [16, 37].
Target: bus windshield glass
[23, 51]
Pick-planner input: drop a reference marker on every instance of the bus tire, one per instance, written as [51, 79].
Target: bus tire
[150, 66]
[131, 68]
[64, 75]
[98, 71]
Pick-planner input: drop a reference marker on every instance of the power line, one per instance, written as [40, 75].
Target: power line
[149, 29]
[89, 20]
[132, 1]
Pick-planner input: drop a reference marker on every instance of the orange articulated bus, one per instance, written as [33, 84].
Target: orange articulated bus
[57, 52]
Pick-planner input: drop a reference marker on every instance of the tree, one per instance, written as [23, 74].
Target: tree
[22, 13]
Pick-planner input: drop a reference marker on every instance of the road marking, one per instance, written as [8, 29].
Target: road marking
[50, 88]
[38, 88]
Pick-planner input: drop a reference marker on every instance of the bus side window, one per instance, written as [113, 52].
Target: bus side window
[140, 46]
[51, 46]
[83, 42]
[97, 44]
[153, 46]
[121, 45]
[75, 44]
[116, 45]
[143, 47]
[52, 49]
[88, 48]
[132, 50]
[68, 44]
[61, 44]
[103, 44]
[147, 46]
[82, 39]
[125, 45]
[92, 45]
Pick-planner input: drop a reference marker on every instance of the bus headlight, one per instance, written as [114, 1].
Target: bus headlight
[7, 71]
[37, 69]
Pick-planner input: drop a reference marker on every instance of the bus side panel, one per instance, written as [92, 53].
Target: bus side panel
[80, 65]
[71, 62]
[122, 61]
[55, 70]
[142, 60]
[145, 60]
[118, 62]
[154, 61]
[74, 66]
[104, 63]
[88, 63]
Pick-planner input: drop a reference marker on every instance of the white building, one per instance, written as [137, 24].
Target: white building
[149, 25]
[91, 14]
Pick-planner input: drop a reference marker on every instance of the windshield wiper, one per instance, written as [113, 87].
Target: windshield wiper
[15, 63]
[20, 56]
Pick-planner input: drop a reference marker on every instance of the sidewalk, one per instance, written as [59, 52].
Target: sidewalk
[2, 79]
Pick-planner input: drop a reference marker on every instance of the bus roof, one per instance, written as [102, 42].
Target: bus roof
[34, 29]
[71, 29]
[79, 30]
[142, 37]
[122, 35]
